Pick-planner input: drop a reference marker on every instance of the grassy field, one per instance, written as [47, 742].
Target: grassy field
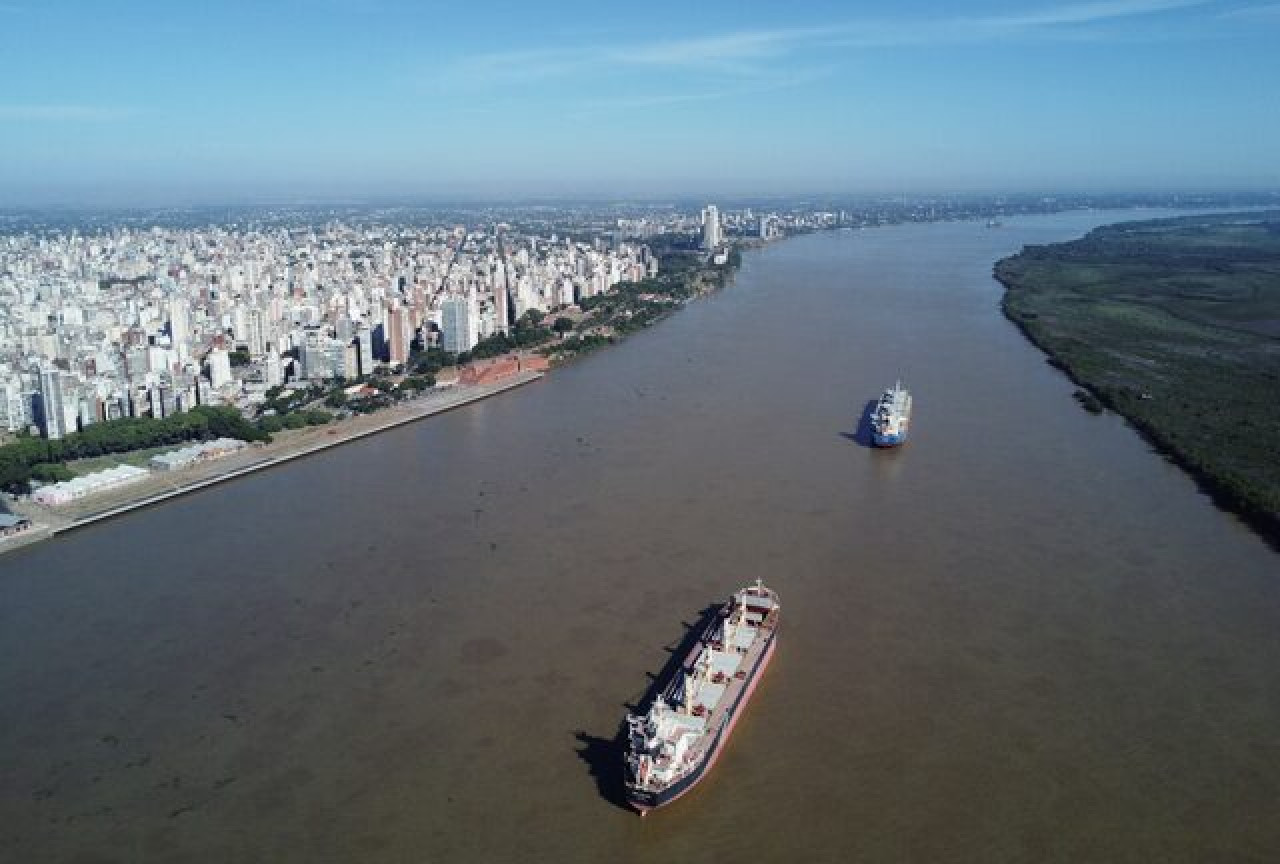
[1174, 324]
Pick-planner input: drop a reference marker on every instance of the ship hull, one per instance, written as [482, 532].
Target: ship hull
[643, 801]
[886, 440]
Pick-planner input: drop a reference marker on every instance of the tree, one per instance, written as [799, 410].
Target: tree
[562, 325]
[493, 346]
[441, 357]
[417, 383]
[270, 424]
[426, 366]
[46, 472]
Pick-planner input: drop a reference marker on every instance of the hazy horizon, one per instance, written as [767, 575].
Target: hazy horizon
[152, 104]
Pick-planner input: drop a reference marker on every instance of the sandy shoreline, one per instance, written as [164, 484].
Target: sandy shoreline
[48, 522]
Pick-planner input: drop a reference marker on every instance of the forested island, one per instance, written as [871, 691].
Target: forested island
[1174, 324]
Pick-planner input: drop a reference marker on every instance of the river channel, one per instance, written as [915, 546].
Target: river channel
[1021, 637]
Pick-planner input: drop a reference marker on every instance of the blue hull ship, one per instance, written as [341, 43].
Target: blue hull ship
[891, 418]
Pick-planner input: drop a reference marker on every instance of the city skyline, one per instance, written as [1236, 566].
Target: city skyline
[151, 103]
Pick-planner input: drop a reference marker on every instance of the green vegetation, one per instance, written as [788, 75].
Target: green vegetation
[684, 273]
[414, 384]
[1174, 324]
[527, 333]
[20, 459]
[50, 472]
[282, 401]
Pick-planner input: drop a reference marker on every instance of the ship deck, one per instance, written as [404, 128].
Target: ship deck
[728, 667]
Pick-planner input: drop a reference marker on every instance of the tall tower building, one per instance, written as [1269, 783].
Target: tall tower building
[240, 323]
[274, 369]
[257, 335]
[457, 325]
[53, 415]
[13, 405]
[364, 351]
[711, 236]
[219, 368]
[500, 297]
[179, 328]
[399, 335]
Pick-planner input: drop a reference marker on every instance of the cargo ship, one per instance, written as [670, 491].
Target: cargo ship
[891, 419]
[677, 742]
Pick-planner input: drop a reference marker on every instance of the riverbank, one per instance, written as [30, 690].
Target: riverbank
[686, 275]
[1174, 325]
[49, 522]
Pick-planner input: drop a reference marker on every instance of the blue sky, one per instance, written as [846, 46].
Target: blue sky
[150, 102]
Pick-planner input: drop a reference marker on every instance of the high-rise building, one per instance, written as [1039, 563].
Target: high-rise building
[350, 359]
[500, 297]
[219, 368]
[364, 351]
[14, 404]
[711, 235]
[311, 356]
[335, 357]
[257, 340]
[273, 370]
[240, 323]
[179, 329]
[399, 335]
[458, 325]
[53, 415]
[155, 402]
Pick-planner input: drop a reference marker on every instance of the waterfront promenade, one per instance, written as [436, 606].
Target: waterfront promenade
[48, 522]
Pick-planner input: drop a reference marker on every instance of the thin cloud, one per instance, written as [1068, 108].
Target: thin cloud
[1253, 13]
[63, 112]
[798, 79]
[1092, 13]
[711, 50]
[741, 53]
[760, 53]
[1061, 21]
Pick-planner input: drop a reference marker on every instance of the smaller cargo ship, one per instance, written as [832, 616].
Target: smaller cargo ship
[891, 418]
[675, 744]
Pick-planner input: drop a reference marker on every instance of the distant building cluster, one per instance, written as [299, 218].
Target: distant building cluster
[131, 322]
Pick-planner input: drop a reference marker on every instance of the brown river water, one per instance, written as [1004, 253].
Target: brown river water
[1022, 637]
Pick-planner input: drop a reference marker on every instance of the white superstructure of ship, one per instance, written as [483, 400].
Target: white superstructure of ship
[891, 418]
